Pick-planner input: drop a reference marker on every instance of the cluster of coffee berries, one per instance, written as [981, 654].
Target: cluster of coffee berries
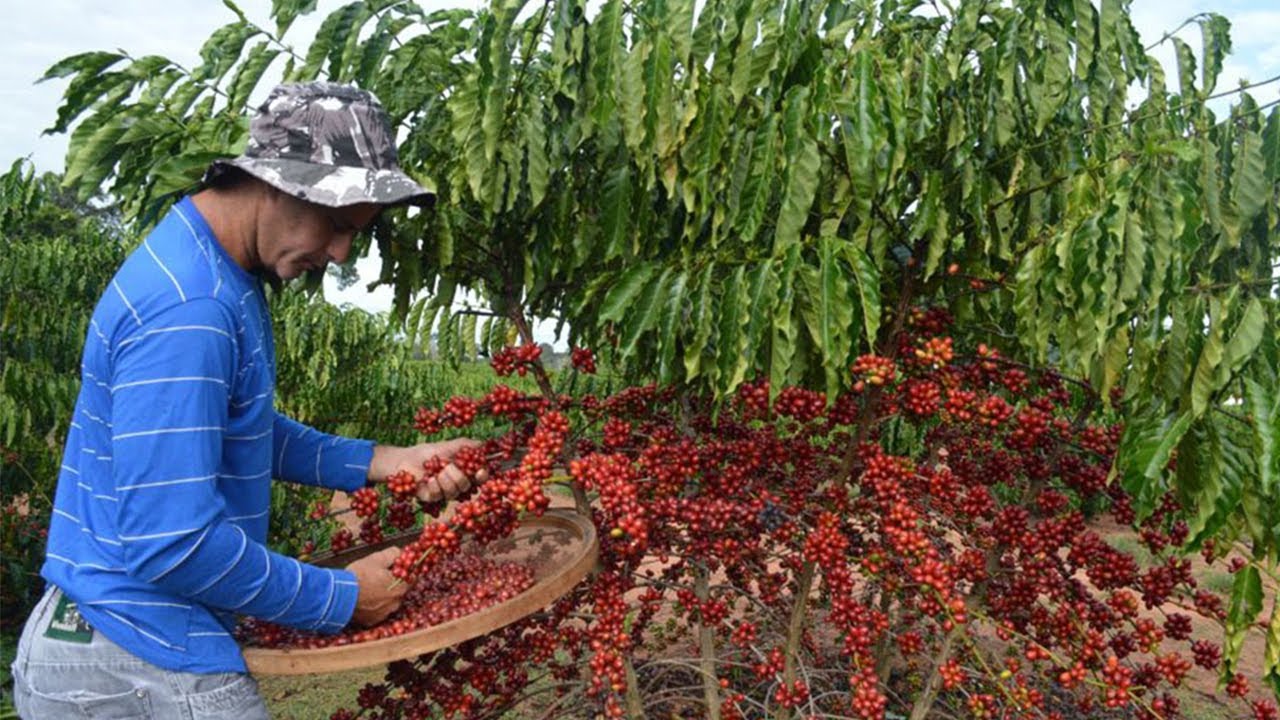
[803, 405]
[935, 352]
[365, 502]
[461, 585]
[583, 360]
[402, 485]
[515, 359]
[872, 370]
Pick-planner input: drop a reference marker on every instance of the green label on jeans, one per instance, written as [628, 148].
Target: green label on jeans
[68, 624]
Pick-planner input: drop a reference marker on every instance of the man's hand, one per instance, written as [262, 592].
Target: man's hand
[377, 598]
[451, 482]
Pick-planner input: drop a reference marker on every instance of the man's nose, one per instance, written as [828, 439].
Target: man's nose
[340, 249]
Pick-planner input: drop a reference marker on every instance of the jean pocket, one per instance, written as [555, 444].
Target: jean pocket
[81, 705]
[235, 699]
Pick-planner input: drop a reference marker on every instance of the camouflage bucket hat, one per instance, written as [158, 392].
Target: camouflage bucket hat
[328, 144]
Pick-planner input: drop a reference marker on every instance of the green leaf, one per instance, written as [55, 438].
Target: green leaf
[537, 166]
[89, 163]
[1204, 380]
[615, 213]
[495, 64]
[782, 324]
[800, 176]
[702, 321]
[1186, 68]
[1264, 407]
[335, 29]
[1250, 190]
[1271, 660]
[1215, 33]
[606, 48]
[643, 315]
[731, 341]
[249, 73]
[181, 172]
[235, 9]
[285, 11]
[1245, 340]
[468, 333]
[761, 179]
[620, 296]
[633, 102]
[867, 276]
[835, 314]
[86, 63]
[1242, 610]
[444, 242]
[762, 298]
[669, 328]
[1143, 455]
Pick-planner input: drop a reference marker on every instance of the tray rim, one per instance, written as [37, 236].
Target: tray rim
[275, 661]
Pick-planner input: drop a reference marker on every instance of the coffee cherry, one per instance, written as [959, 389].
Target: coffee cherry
[365, 502]
[402, 485]
[583, 360]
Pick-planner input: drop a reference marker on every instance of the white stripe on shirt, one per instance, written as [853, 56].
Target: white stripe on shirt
[152, 536]
[266, 556]
[158, 483]
[94, 324]
[297, 589]
[175, 328]
[244, 543]
[284, 444]
[116, 285]
[255, 476]
[144, 633]
[101, 539]
[147, 244]
[72, 563]
[259, 436]
[253, 399]
[333, 588]
[192, 378]
[145, 603]
[166, 431]
[182, 559]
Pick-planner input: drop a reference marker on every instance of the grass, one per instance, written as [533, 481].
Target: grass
[309, 697]
[1219, 582]
[1133, 547]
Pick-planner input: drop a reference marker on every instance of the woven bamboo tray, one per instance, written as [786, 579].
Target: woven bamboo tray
[560, 546]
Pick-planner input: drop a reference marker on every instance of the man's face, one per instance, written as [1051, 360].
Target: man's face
[296, 236]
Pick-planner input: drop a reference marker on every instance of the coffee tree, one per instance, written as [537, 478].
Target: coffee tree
[767, 199]
[52, 246]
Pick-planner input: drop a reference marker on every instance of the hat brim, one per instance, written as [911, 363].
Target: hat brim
[331, 185]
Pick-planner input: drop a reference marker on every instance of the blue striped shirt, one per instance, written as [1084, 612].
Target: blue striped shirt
[161, 509]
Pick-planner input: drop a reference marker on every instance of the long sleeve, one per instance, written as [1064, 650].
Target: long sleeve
[307, 456]
[170, 386]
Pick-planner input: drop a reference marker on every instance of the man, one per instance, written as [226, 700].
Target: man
[156, 543]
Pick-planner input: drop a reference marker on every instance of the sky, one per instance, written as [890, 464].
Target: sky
[43, 32]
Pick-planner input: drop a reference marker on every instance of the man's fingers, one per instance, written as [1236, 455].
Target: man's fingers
[449, 448]
[429, 491]
[453, 481]
[450, 483]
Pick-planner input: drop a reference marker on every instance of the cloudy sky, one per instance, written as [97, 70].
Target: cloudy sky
[42, 32]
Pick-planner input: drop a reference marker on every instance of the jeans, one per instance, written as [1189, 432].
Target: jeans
[59, 678]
